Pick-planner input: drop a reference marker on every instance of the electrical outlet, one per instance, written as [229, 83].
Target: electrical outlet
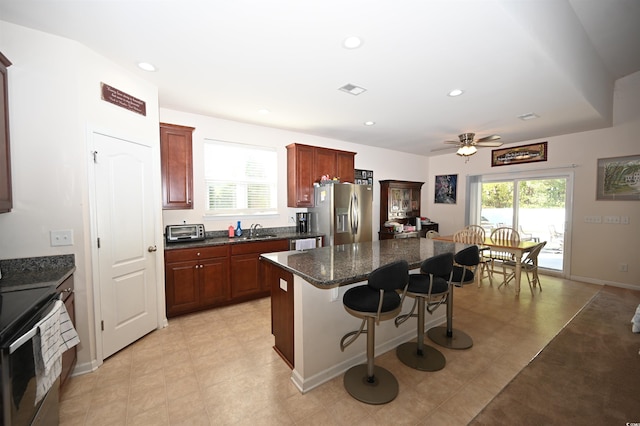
[593, 219]
[612, 219]
[623, 267]
[62, 237]
[624, 220]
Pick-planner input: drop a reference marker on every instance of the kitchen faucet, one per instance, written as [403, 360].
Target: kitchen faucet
[253, 231]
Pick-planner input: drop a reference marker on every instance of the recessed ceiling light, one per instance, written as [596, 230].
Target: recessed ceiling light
[146, 66]
[352, 42]
[455, 92]
[369, 123]
[353, 89]
[528, 116]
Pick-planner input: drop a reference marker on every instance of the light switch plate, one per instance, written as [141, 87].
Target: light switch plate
[63, 237]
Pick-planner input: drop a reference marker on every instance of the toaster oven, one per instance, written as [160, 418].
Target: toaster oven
[184, 233]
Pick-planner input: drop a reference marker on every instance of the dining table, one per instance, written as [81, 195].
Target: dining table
[517, 248]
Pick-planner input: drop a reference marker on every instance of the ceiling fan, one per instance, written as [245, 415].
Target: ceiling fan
[467, 145]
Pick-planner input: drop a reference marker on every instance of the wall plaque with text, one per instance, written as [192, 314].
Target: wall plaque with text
[122, 99]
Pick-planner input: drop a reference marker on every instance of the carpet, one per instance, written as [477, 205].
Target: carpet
[588, 374]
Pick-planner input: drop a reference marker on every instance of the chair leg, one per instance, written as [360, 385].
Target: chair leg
[448, 336]
[418, 355]
[367, 382]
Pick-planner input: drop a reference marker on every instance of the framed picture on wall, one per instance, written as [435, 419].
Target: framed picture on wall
[446, 189]
[619, 178]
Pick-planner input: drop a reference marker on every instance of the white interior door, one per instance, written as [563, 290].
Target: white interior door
[125, 223]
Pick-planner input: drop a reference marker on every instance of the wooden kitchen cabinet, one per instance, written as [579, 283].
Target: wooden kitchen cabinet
[6, 202]
[69, 357]
[306, 164]
[196, 279]
[176, 157]
[282, 328]
[246, 280]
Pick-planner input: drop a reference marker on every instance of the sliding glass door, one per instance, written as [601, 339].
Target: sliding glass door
[536, 206]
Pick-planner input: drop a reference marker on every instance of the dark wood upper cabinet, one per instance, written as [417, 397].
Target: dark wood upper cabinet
[306, 164]
[6, 201]
[176, 156]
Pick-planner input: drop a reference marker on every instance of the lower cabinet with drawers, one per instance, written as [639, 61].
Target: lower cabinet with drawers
[206, 277]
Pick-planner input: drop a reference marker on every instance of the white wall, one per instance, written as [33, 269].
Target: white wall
[386, 164]
[596, 249]
[54, 101]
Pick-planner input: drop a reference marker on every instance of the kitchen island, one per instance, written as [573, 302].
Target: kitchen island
[308, 318]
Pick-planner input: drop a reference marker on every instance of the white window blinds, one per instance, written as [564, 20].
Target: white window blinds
[240, 179]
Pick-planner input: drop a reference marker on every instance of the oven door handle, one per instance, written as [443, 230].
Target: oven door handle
[29, 334]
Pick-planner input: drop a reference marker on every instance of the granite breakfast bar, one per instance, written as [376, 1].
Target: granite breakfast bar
[308, 318]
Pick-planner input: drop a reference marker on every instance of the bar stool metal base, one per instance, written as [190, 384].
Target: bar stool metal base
[383, 389]
[456, 340]
[431, 359]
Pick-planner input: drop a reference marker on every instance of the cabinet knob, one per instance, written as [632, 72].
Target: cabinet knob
[151, 249]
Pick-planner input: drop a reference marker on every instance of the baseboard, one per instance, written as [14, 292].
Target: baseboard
[604, 282]
[360, 358]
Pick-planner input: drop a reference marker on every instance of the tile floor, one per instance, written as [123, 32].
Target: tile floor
[218, 368]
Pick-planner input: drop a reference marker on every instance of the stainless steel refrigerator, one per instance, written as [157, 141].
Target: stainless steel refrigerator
[343, 213]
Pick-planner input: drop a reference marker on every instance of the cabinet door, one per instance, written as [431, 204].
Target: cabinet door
[325, 163]
[282, 327]
[244, 275]
[181, 282]
[5, 157]
[345, 166]
[176, 166]
[300, 176]
[214, 287]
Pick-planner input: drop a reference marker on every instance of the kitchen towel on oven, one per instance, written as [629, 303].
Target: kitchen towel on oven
[56, 335]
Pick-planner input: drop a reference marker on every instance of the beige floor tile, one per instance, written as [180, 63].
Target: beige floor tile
[218, 368]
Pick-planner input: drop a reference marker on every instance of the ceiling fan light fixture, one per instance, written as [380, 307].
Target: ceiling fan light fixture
[467, 150]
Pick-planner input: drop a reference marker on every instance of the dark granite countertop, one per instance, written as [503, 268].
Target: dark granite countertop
[263, 235]
[333, 266]
[34, 272]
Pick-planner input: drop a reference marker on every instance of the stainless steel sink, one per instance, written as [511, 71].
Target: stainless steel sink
[256, 237]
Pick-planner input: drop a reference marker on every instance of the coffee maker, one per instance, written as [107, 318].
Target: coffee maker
[302, 223]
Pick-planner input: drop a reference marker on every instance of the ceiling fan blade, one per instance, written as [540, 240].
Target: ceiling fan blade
[494, 144]
[488, 138]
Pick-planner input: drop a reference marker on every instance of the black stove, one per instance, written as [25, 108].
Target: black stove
[18, 306]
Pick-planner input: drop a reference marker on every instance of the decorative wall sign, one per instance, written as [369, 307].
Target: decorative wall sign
[619, 178]
[122, 99]
[519, 154]
[446, 189]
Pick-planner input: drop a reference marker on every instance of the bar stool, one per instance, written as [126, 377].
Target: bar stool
[464, 269]
[429, 288]
[376, 301]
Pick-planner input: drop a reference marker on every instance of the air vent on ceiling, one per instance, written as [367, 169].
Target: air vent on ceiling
[353, 89]
[528, 116]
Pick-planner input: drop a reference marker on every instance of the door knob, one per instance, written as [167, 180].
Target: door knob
[151, 249]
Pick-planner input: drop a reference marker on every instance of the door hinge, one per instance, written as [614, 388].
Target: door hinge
[98, 242]
[102, 325]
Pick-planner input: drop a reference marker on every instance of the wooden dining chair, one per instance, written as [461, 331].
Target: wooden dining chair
[502, 235]
[474, 234]
[529, 264]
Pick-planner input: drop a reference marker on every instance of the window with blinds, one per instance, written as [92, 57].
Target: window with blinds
[240, 179]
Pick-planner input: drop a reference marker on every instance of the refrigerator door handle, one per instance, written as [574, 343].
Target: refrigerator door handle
[354, 211]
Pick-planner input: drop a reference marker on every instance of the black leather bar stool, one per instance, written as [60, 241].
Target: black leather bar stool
[464, 270]
[429, 288]
[380, 299]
